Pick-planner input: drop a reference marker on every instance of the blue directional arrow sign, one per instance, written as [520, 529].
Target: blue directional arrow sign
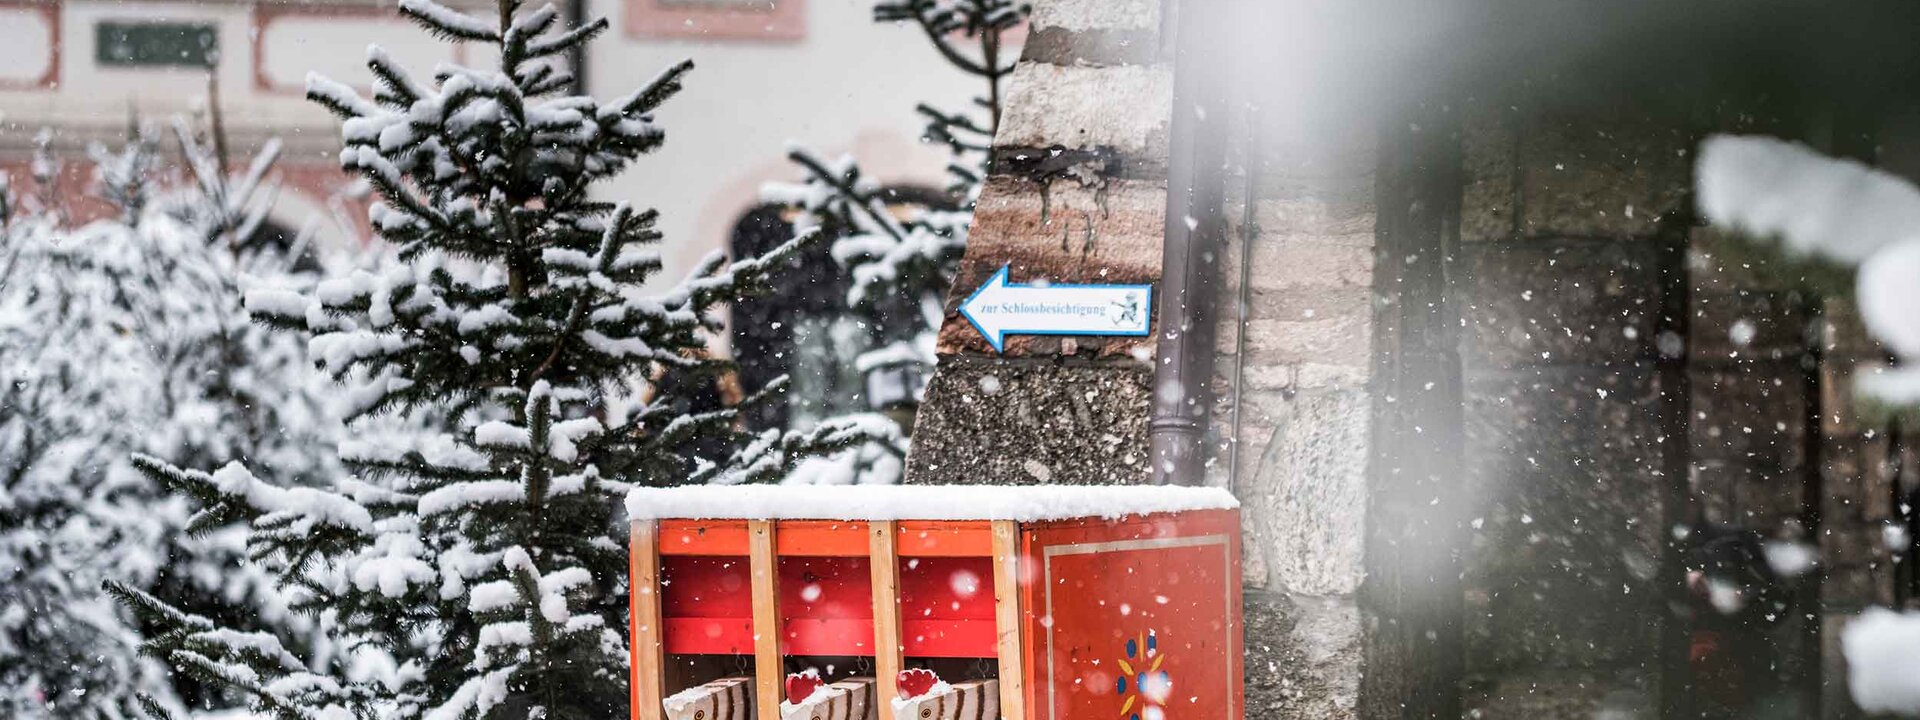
[1000, 308]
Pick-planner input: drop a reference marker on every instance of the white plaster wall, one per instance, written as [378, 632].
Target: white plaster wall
[848, 86]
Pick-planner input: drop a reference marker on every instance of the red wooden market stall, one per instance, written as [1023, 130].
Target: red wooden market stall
[923, 602]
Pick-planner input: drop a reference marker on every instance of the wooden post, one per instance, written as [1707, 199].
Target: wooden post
[767, 658]
[1006, 602]
[884, 558]
[643, 598]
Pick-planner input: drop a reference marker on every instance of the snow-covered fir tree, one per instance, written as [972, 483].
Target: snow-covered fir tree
[899, 265]
[126, 335]
[478, 569]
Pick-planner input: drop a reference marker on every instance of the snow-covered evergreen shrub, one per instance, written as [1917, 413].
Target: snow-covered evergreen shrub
[126, 335]
[899, 268]
[483, 563]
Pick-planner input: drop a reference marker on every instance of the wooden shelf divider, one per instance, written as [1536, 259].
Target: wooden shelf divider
[1006, 599]
[644, 626]
[883, 556]
[768, 660]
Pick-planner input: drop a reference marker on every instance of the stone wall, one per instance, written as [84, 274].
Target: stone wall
[1566, 400]
[1304, 412]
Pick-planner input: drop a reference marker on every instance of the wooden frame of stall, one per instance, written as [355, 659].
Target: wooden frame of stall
[765, 542]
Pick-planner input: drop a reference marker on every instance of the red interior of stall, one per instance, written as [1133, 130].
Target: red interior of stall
[825, 589]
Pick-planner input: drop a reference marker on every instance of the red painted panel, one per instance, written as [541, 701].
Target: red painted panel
[770, 21]
[945, 538]
[706, 605]
[948, 638]
[703, 537]
[821, 538]
[1160, 594]
[703, 586]
[708, 636]
[920, 638]
[828, 636]
[826, 588]
[946, 589]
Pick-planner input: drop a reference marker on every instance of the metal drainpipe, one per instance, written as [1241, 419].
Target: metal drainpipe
[1191, 247]
[577, 57]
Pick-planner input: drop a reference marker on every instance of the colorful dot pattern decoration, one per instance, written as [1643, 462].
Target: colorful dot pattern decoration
[1141, 664]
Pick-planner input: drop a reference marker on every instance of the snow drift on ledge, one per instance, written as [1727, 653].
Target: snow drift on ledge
[1027, 503]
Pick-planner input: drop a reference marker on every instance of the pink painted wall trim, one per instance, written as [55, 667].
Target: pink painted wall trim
[761, 20]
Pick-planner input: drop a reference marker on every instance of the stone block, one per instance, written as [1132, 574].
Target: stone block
[1560, 303]
[1303, 657]
[1059, 46]
[1282, 262]
[1751, 414]
[1123, 108]
[1490, 192]
[1846, 336]
[1535, 175]
[1305, 499]
[1027, 422]
[1852, 588]
[1600, 179]
[1858, 481]
[1083, 15]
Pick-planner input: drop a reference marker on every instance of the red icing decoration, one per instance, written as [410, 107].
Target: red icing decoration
[916, 682]
[800, 686]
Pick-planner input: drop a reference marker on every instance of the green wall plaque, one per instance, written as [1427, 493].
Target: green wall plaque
[144, 43]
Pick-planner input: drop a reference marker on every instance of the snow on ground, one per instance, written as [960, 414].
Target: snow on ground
[1032, 503]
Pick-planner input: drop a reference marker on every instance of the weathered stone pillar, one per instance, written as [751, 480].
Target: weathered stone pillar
[1077, 195]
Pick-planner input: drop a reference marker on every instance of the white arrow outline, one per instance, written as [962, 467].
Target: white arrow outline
[1000, 280]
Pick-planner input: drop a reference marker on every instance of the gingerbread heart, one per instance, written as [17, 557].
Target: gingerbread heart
[800, 686]
[916, 682]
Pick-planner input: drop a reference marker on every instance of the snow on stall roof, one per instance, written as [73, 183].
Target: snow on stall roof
[1027, 503]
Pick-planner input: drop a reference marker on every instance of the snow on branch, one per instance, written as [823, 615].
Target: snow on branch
[1835, 209]
[1883, 660]
[448, 22]
[1814, 204]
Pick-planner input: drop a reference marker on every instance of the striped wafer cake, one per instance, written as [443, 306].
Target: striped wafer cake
[978, 700]
[850, 699]
[723, 699]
